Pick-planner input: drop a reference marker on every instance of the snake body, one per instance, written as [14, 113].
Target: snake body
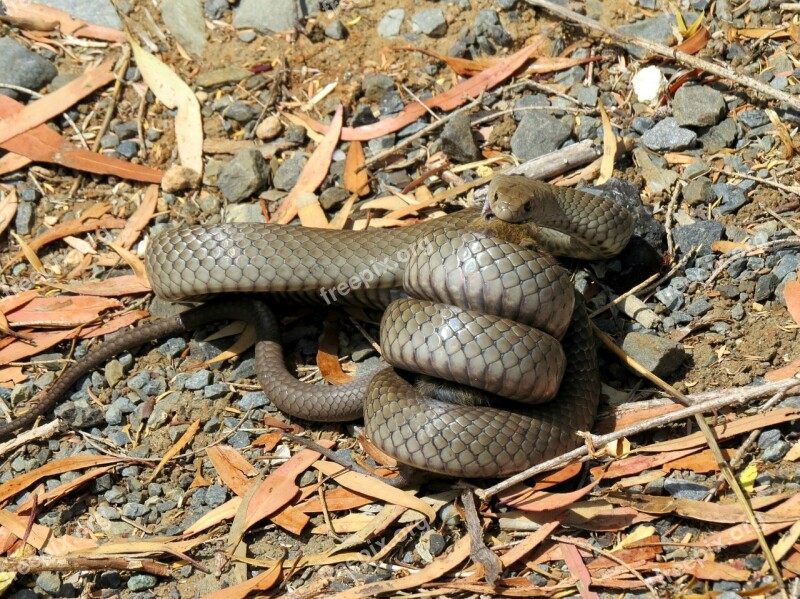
[515, 304]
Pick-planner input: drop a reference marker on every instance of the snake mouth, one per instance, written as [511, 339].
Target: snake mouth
[486, 211]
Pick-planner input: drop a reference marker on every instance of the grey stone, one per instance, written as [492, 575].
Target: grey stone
[253, 400]
[702, 233]
[737, 312]
[683, 489]
[128, 149]
[216, 8]
[753, 118]
[25, 217]
[163, 410]
[268, 16]
[244, 213]
[697, 191]
[657, 29]
[776, 451]
[239, 440]
[225, 76]
[215, 495]
[787, 265]
[670, 297]
[731, 198]
[101, 12]
[49, 582]
[126, 130]
[699, 306]
[185, 21]
[142, 582]
[430, 21]
[172, 347]
[765, 287]
[109, 140]
[336, 31]
[660, 356]
[768, 437]
[457, 141]
[698, 106]
[537, 134]
[22, 67]
[666, 135]
[134, 510]
[108, 512]
[199, 379]
[719, 136]
[113, 372]
[391, 23]
[244, 176]
[529, 101]
[289, 172]
[375, 85]
[216, 390]
[241, 112]
[78, 415]
[332, 197]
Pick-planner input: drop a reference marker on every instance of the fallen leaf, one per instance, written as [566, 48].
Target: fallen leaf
[453, 98]
[55, 103]
[21, 482]
[367, 485]
[429, 573]
[782, 132]
[542, 501]
[727, 430]
[40, 341]
[61, 311]
[314, 173]
[176, 448]
[113, 287]
[696, 41]
[609, 148]
[170, 89]
[139, 219]
[42, 144]
[784, 372]
[65, 23]
[328, 356]
[232, 467]
[576, 567]
[266, 497]
[8, 209]
[262, 582]
[743, 533]
[723, 247]
[792, 295]
[356, 177]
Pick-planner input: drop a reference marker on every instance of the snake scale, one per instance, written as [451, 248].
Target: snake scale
[476, 300]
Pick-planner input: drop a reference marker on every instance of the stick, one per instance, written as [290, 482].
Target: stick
[681, 57]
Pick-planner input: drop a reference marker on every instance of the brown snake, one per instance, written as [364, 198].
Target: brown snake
[515, 304]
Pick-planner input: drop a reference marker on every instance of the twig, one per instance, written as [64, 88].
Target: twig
[648, 284]
[724, 466]
[788, 188]
[421, 133]
[673, 202]
[478, 550]
[774, 245]
[120, 76]
[51, 563]
[607, 554]
[735, 396]
[681, 57]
